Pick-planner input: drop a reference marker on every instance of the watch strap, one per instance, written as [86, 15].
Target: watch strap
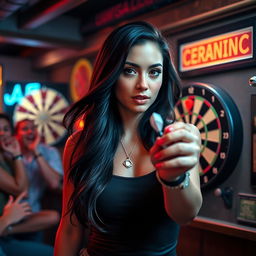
[181, 183]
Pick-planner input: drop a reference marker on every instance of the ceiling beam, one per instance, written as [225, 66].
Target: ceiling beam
[7, 8]
[61, 55]
[36, 41]
[160, 18]
[64, 32]
[44, 11]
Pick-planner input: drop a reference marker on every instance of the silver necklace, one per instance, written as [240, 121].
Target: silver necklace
[127, 163]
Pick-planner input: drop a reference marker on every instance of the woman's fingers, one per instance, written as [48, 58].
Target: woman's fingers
[182, 162]
[155, 148]
[175, 150]
[176, 136]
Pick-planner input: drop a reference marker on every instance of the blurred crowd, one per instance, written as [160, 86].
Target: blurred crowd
[28, 169]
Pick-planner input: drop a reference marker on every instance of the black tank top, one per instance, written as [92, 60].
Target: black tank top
[136, 222]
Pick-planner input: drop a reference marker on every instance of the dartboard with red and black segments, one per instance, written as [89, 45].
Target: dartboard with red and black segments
[47, 108]
[217, 117]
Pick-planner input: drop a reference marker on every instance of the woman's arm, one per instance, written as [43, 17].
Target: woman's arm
[13, 185]
[174, 154]
[69, 236]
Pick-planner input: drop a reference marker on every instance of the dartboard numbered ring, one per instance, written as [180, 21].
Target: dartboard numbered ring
[216, 116]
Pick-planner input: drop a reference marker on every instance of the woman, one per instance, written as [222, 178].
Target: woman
[130, 188]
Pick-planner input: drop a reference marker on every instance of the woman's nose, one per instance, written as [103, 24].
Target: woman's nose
[142, 83]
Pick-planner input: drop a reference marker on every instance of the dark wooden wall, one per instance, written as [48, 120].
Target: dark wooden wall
[199, 242]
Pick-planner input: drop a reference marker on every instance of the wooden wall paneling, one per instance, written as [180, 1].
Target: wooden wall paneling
[223, 245]
[190, 241]
[199, 242]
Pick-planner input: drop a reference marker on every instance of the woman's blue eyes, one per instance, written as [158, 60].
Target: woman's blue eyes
[152, 73]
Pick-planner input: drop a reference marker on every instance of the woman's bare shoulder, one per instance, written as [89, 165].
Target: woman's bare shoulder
[73, 139]
[72, 151]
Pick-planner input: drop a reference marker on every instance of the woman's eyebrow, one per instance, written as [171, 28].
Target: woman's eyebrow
[138, 66]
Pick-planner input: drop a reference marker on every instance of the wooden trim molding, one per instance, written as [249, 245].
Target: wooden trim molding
[224, 227]
[208, 16]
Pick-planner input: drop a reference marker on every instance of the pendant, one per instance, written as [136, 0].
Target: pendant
[127, 163]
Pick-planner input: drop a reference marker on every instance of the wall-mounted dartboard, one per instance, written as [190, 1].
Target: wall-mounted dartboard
[217, 117]
[80, 79]
[47, 108]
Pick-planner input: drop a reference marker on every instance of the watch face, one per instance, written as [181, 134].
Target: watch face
[216, 116]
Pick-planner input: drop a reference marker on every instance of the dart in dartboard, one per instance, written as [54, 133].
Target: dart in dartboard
[47, 108]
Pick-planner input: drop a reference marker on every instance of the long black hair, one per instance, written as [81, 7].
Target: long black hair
[103, 125]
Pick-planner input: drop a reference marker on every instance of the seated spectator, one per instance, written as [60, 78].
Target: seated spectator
[43, 163]
[14, 180]
[14, 212]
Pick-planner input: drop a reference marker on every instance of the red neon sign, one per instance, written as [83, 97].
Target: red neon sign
[220, 49]
[121, 9]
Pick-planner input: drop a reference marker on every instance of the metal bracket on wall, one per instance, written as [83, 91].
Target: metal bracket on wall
[253, 138]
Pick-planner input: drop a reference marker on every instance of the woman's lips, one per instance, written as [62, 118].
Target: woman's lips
[140, 99]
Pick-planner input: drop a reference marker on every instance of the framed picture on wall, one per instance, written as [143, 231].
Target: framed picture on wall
[253, 140]
[246, 211]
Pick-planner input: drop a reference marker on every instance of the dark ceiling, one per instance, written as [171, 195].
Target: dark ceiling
[92, 6]
[32, 27]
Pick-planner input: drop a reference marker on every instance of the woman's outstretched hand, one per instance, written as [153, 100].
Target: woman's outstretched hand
[176, 151]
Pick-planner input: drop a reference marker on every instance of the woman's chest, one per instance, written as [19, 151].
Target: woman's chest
[132, 165]
[124, 198]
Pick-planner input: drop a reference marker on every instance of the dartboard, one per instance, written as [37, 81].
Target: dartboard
[80, 79]
[47, 108]
[217, 117]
